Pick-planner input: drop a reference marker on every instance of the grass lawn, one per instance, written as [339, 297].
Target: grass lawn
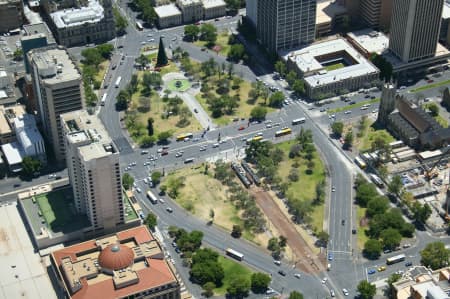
[130, 212]
[362, 237]
[430, 86]
[222, 42]
[305, 187]
[184, 85]
[58, 211]
[244, 109]
[232, 270]
[156, 111]
[103, 67]
[369, 135]
[357, 105]
[442, 121]
[335, 66]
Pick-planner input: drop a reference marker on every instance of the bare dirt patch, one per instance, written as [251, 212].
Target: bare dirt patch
[304, 258]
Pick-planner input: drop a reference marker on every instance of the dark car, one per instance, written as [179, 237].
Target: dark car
[408, 264]
[352, 103]
[354, 231]
[282, 273]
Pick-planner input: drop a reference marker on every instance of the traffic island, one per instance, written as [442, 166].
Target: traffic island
[180, 85]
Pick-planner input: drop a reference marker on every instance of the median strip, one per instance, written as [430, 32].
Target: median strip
[356, 105]
[430, 86]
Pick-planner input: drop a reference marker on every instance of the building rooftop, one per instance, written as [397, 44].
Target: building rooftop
[189, 2]
[168, 10]
[135, 256]
[37, 28]
[88, 129]
[54, 65]
[308, 59]
[13, 152]
[92, 13]
[446, 10]
[370, 40]
[327, 10]
[29, 133]
[213, 3]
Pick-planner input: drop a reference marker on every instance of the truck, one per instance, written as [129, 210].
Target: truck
[118, 82]
[153, 199]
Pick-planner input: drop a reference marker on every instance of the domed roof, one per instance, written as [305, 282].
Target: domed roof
[116, 257]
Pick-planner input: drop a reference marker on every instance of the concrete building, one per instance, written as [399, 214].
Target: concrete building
[251, 11]
[422, 283]
[285, 24]
[376, 13]
[444, 35]
[415, 28]
[11, 15]
[8, 92]
[329, 14]
[368, 41]
[58, 89]
[29, 137]
[331, 67]
[409, 122]
[94, 170]
[213, 9]
[191, 10]
[128, 264]
[90, 22]
[36, 36]
[168, 15]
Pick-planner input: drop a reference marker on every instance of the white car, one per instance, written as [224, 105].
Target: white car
[138, 190]
[345, 291]
[297, 275]
[161, 200]
[215, 145]
[324, 280]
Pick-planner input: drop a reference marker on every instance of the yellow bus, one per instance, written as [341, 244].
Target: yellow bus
[283, 132]
[182, 137]
[256, 138]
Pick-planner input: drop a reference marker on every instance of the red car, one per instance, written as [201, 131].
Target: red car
[430, 81]
[241, 128]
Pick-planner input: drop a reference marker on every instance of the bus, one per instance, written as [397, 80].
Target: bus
[139, 26]
[283, 132]
[118, 81]
[298, 121]
[395, 259]
[234, 254]
[256, 138]
[152, 197]
[182, 137]
[376, 180]
[103, 101]
[360, 163]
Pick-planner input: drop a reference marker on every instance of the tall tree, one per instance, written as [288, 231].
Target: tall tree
[151, 220]
[421, 212]
[337, 128]
[260, 282]
[295, 295]
[435, 255]
[366, 289]
[127, 181]
[161, 59]
[31, 166]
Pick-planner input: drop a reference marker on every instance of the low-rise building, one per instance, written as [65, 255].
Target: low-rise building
[331, 67]
[11, 15]
[128, 264]
[168, 15]
[192, 10]
[422, 283]
[213, 9]
[8, 93]
[368, 41]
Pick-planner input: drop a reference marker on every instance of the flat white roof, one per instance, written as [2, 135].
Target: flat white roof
[370, 40]
[13, 152]
[213, 3]
[189, 2]
[92, 13]
[446, 10]
[306, 61]
[168, 10]
[327, 10]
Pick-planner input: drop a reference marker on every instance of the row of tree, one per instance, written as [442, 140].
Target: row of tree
[296, 84]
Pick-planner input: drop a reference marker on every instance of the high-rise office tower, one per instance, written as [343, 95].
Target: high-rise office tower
[376, 13]
[285, 24]
[58, 89]
[94, 170]
[415, 28]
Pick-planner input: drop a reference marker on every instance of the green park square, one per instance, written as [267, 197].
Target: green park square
[179, 85]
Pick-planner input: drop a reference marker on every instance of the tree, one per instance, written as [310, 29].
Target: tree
[273, 244]
[348, 139]
[236, 232]
[142, 60]
[276, 99]
[208, 289]
[433, 108]
[151, 220]
[337, 128]
[259, 282]
[391, 292]
[211, 214]
[122, 100]
[280, 68]
[31, 166]
[383, 65]
[421, 212]
[364, 193]
[372, 249]
[127, 181]
[147, 141]
[295, 295]
[323, 237]
[238, 287]
[208, 33]
[161, 59]
[191, 32]
[163, 136]
[391, 238]
[105, 50]
[282, 242]
[150, 122]
[233, 5]
[395, 185]
[18, 54]
[91, 56]
[299, 86]
[120, 21]
[291, 77]
[134, 83]
[366, 289]
[236, 52]
[435, 255]
[377, 205]
[156, 177]
[258, 113]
